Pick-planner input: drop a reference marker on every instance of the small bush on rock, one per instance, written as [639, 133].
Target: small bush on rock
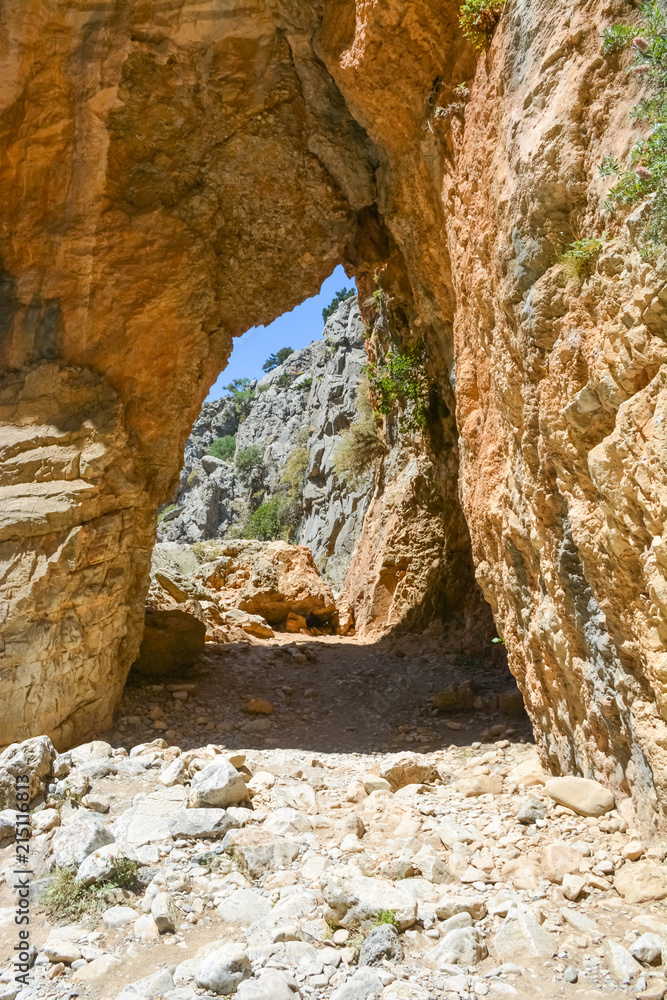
[223, 448]
[249, 460]
[645, 171]
[478, 19]
[242, 396]
[401, 380]
[274, 360]
[579, 255]
[266, 522]
[361, 447]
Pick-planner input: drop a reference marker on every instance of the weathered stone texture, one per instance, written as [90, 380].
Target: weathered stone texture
[174, 173]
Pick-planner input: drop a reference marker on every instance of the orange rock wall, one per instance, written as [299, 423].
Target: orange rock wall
[174, 172]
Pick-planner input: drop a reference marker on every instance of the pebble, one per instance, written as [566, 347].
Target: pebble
[295, 887]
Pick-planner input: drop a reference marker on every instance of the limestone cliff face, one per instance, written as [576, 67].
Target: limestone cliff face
[174, 173]
[299, 410]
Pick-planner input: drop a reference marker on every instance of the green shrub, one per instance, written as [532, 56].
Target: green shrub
[249, 459]
[401, 379]
[284, 380]
[280, 516]
[478, 19]
[341, 296]
[242, 396]
[305, 384]
[578, 256]
[645, 171]
[386, 917]
[69, 900]
[360, 447]
[274, 360]
[223, 448]
[266, 522]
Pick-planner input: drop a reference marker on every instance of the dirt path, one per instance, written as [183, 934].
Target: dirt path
[328, 694]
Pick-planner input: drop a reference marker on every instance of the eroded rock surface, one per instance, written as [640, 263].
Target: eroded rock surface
[173, 175]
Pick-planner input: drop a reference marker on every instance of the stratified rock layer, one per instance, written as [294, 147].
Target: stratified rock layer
[173, 174]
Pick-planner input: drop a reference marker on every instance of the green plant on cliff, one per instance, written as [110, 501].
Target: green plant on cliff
[401, 381]
[223, 448]
[249, 460]
[478, 19]
[242, 397]
[280, 516]
[341, 296]
[576, 258]
[644, 172]
[360, 447]
[274, 360]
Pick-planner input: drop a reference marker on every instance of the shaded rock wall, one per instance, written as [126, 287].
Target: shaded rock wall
[243, 152]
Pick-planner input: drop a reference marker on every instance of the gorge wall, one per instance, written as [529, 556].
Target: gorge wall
[175, 172]
[293, 423]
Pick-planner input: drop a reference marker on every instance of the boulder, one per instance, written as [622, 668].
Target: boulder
[648, 948]
[270, 579]
[224, 969]
[102, 864]
[521, 938]
[294, 623]
[365, 984]
[252, 624]
[209, 824]
[35, 758]
[301, 797]
[464, 946]
[270, 985]
[219, 784]
[382, 943]
[641, 882]
[450, 906]
[286, 822]
[7, 824]
[407, 769]
[173, 641]
[260, 851]
[74, 842]
[152, 987]
[582, 795]
[243, 907]
[530, 810]
[560, 859]
[164, 912]
[116, 917]
[147, 822]
[623, 967]
[359, 900]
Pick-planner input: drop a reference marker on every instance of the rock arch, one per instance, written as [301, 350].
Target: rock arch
[175, 171]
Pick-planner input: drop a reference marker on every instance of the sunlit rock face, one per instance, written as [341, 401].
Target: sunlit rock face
[174, 173]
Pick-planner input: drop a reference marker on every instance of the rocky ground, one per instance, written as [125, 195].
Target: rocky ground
[388, 853]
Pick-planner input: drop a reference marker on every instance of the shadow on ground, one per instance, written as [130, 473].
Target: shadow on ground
[328, 694]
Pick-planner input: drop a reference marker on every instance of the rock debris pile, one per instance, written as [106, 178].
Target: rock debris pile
[280, 874]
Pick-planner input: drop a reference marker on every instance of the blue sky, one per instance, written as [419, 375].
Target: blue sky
[293, 329]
